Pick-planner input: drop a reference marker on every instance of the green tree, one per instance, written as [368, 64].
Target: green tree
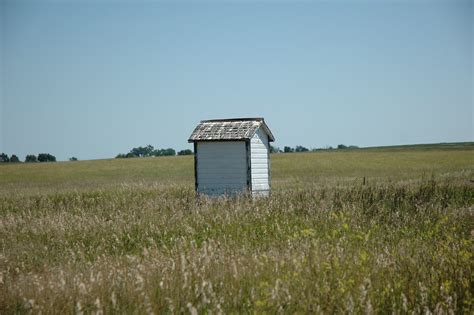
[185, 152]
[274, 149]
[46, 157]
[170, 152]
[288, 149]
[300, 148]
[164, 152]
[72, 159]
[142, 151]
[14, 159]
[4, 158]
[31, 158]
[157, 152]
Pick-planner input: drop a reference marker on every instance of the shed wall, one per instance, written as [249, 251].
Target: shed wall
[260, 163]
[221, 167]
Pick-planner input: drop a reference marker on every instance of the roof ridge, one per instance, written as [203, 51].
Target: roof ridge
[234, 119]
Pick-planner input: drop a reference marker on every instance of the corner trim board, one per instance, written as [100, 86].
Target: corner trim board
[249, 165]
[195, 168]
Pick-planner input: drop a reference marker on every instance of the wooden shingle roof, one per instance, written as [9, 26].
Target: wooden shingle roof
[229, 129]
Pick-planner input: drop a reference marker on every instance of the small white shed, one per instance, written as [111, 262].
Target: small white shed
[232, 156]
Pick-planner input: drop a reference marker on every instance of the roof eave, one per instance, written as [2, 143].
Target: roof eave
[216, 140]
[271, 138]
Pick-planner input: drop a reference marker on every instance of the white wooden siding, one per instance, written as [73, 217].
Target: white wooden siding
[221, 167]
[260, 164]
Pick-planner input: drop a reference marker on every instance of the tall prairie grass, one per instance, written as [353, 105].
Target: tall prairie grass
[399, 245]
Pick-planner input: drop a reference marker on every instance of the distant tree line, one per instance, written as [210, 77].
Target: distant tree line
[185, 152]
[149, 150]
[30, 158]
[342, 147]
[300, 148]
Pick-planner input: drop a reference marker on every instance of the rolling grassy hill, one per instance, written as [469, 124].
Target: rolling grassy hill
[129, 236]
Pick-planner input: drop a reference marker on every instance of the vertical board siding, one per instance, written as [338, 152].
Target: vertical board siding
[259, 148]
[221, 167]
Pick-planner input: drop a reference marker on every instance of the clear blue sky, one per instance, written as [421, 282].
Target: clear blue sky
[95, 78]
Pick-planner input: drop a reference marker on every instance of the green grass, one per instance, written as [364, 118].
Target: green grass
[85, 175]
[129, 236]
[336, 167]
[323, 167]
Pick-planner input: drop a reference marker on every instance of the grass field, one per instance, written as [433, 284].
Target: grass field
[129, 236]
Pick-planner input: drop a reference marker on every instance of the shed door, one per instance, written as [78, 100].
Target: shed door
[221, 167]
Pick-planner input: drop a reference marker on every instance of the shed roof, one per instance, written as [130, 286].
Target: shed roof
[229, 129]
